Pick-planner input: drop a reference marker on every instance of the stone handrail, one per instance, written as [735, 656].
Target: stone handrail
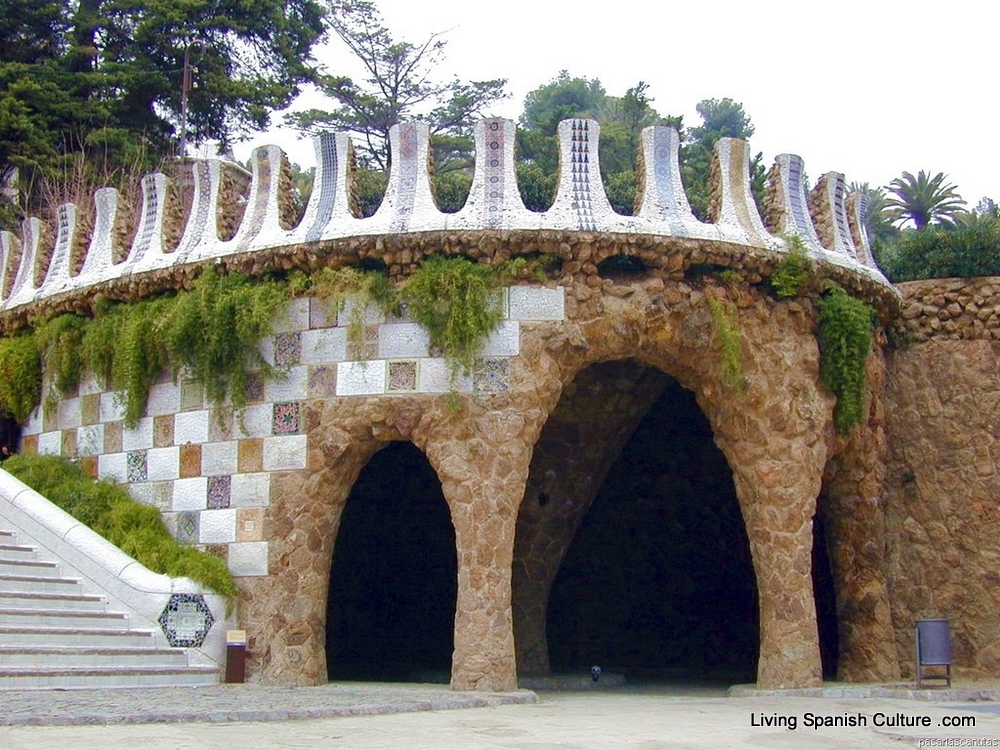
[128, 584]
[33, 271]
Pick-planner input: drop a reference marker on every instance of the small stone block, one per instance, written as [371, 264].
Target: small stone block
[163, 430]
[255, 388]
[492, 375]
[192, 395]
[90, 408]
[113, 437]
[69, 443]
[220, 424]
[366, 346]
[89, 465]
[136, 466]
[219, 488]
[249, 524]
[402, 376]
[190, 461]
[322, 313]
[287, 349]
[322, 381]
[29, 445]
[250, 455]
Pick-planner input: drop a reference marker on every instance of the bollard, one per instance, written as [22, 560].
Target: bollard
[236, 656]
[933, 649]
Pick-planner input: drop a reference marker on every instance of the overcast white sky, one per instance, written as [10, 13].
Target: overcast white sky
[869, 88]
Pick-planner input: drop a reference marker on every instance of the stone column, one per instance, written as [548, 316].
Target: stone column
[482, 461]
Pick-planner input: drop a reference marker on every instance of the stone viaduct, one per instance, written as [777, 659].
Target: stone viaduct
[558, 389]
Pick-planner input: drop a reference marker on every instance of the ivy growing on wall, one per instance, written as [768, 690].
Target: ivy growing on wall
[793, 273]
[845, 339]
[20, 375]
[730, 345]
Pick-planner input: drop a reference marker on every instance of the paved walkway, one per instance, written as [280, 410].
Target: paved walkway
[367, 715]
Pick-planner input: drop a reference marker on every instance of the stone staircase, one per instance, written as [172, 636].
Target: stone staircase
[54, 634]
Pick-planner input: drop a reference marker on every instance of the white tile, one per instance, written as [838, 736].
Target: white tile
[293, 386]
[324, 345]
[255, 421]
[505, 341]
[367, 315]
[535, 303]
[285, 452]
[163, 463]
[402, 341]
[191, 427]
[435, 377]
[248, 558]
[217, 526]
[90, 440]
[250, 490]
[112, 466]
[33, 425]
[219, 458]
[190, 494]
[140, 437]
[112, 408]
[69, 413]
[361, 378]
[293, 317]
[164, 398]
[50, 444]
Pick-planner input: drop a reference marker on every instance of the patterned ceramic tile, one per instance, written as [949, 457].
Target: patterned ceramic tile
[190, 461]
[322, 313]
[286, 419]
[112, 437]
[219, 492]
[249, 524]
[491, 375]
[186, 620]
[220, 551]
[187, 526]
[255, 388]
[322, 381]
[220, 424]
[90, 408]
[69, 443]
[163, 430]
[136, 466]
[287, 349]
[192, 395]
[402, 376]
[250, 455]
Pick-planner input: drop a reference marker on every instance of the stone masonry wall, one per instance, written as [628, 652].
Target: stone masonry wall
[943, 483]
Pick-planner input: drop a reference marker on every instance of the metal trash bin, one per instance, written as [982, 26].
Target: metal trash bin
[236, 656]
[933, 649]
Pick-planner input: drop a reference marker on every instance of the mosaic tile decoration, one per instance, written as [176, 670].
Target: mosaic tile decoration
[255, 388]
[580, 166]
[322, 381]
[286, 419]
[219, 491]
[136, 466]
[186, 620]
[406, 163]
[148, 221]
[188, 526]
[491, 375]
[402, 376]
[328, 185]
[494, 184]
[287, 349]
[367, 347]
[262, 187]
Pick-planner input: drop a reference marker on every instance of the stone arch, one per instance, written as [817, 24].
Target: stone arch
[391, 607]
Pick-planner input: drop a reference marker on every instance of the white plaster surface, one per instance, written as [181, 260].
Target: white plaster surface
[50, 443]
[324, 345]
[255, 421]
[248, 558]
[217, 526]
[536, 303]
[361, 378]
[219, 458]
[33, 425]
[69, 413]
[250, 490]
[140, 437]
[90, 440]
[163, 463]
[190, 494]
[402, 340]
[433, 376]
[285, 452]
[112, 466]
[505, 341]
[191, 427]
[112, 409]
[164, 398]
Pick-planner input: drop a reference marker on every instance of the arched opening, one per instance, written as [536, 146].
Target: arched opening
[826, 600]
[393, 582]
[657, 582]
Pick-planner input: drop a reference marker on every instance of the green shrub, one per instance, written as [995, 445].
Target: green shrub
[794, 271]
[845, 340]
[20, 375]
[971, 248]
[108, 509]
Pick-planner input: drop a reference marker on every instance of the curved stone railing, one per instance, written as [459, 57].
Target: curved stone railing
[128, 584]
[829, 222]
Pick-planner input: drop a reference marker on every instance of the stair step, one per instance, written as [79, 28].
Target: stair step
[83, 656]
[31, 583]
[63, 618]
[102, 638]
[38, 568]
[9, 551]
[40, 678]
[32, 600]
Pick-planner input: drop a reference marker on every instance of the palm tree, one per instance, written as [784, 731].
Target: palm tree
[923, 200]
[878, 221]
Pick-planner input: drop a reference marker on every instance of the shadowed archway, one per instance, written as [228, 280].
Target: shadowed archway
[393, 582]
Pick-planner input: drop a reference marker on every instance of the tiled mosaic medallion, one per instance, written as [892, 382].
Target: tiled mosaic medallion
[492, 375]
[403, 376]
[287, 349]
[136, 466]
[286, 418]
[219, 491]
[187, 526]
[186, 620]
